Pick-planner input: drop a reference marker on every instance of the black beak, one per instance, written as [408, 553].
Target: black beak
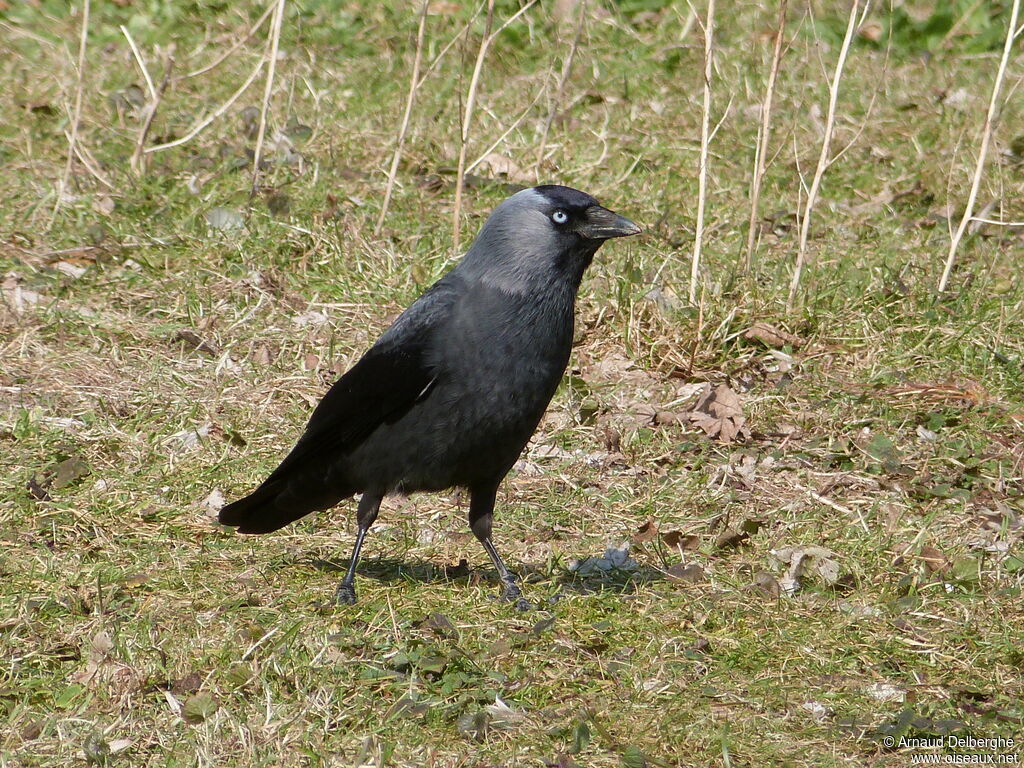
[601, 224]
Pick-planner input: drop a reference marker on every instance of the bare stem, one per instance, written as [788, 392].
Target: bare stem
[138, 155]
[705, 138]
[76, 115]
[823, 157]
[414, 82]
[986, 136]
[467, 119]
[140, 61]
[563, 78]
[238, 44]
[199, 127]
[274, 41]
[763, 134]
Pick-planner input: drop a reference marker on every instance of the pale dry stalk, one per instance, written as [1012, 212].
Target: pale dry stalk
[823, 157]
[403, 129]
[156, 95]
[560, 88]
[76, 114]
[705, 137]
[763, 134]
[986, 137]
[273, 43]
[200, 126]
[237, 44]
[467, 119]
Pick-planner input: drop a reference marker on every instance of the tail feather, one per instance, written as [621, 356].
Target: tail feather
[273, 505]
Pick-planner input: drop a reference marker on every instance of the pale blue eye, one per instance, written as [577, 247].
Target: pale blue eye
[559, 217]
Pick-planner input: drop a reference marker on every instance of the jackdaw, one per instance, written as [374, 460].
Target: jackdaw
[452, 391]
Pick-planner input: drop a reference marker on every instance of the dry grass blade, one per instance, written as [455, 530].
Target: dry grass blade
[76, 115]
[273, 43]
[199, 127]
[466, 122]
[986, 137]
[563, 78]
[823, 157]
[764, 132]
[414, 83]
[467, 119]
[238, 44]
[140, 61]
[138, 155]
[705, 138]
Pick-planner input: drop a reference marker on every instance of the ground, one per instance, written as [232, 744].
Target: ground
[823, 514]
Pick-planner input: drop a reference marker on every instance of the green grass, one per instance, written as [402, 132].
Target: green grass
[135, 631]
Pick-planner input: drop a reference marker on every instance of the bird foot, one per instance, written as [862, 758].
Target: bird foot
[512, 594]
[345, 594]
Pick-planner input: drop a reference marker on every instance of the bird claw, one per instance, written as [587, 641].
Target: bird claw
[345, 594]
[512, 594]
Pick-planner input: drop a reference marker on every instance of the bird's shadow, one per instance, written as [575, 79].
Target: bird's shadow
[563, 582]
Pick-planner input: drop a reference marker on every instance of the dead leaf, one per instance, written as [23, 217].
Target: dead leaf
[442, 8]
[196, 342]
[212, 503]
[498, 165]
[730, 538]
[806, 560]
[17, 298]
[686, 574]
[676, 539]
[719, 414]
[765, 585]
[771, 336]
[871, 31]
[646, 532]
[104, 204]
[933, 558]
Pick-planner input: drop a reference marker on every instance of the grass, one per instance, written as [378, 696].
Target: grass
[151, 362]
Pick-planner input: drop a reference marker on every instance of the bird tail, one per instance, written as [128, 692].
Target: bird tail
[272, 506]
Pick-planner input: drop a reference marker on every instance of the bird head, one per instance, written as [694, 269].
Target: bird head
[543, 233]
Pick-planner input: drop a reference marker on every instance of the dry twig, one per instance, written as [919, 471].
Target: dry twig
[563, 78]
[705, 137]
[414, 82]
[138, 155]
[200, 126]
[76, 115]
[986, 137]
[823, 157]
[272, 43]
[467, 118]
[238, 44]
[761, 151]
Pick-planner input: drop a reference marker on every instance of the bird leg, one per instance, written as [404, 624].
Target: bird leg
[369, 506]
[481, 515]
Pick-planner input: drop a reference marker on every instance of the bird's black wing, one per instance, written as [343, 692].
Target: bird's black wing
[379, 389]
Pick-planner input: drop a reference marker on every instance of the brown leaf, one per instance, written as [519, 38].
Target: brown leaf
[311, 362]
[719, 414]
[771, 336]
[196, 342]
[675, 539]
[933, 558]
[646, 532]
[765, 585]
[686, 574]
[731, 538]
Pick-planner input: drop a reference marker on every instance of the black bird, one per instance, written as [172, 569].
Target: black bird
[452, 391]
